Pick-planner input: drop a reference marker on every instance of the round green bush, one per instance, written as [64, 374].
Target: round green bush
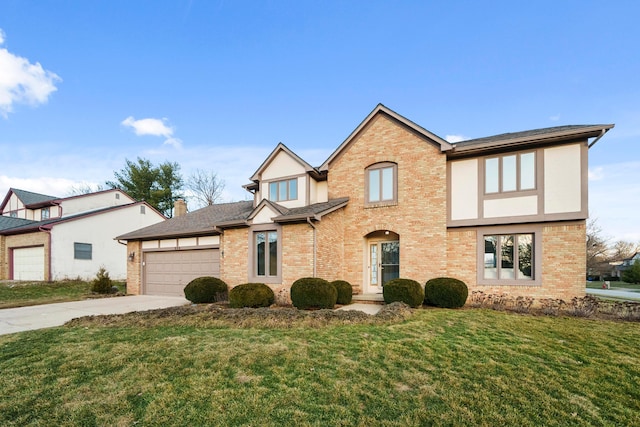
[345, 291]
[407, 291]
[445, 292]
[251, 295]
[205, 290]
[313, 292]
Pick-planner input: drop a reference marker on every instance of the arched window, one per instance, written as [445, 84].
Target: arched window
[381, 184]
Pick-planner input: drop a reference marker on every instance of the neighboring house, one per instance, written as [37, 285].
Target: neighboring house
[49, 238]
[625, 264]
[505, 214]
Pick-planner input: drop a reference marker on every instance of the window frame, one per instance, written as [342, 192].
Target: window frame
[500, 173]
[379, 167]
[287, 182]
[267, 229]
[535, 231]
[77, 251]
[45, 214]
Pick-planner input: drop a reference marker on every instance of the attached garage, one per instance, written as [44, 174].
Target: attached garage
[28, 263]
[168, 272]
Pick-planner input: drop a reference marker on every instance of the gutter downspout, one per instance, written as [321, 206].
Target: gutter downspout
[602, 132]
[41, 228]
[315, 247]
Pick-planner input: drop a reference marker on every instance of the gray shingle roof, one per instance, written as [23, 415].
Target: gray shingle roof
[194, 223]
[529, 134]
[29, 198]
[316, 209]
[7, 223]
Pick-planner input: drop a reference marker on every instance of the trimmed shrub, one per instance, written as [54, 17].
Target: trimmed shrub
[345, 291]
[407, 291]
[313, 292]
[102, 284]
[445, 292]
[251, 295]
[205, 290]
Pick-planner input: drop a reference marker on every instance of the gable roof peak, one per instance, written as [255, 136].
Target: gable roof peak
[403, 121]
[280, 148]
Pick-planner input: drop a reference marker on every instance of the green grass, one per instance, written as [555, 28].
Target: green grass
[615, 285]
[21, 294]
[439, 367]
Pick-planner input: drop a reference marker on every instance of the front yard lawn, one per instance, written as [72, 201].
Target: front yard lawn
[22, 294]
[623, 286]
[438, 367]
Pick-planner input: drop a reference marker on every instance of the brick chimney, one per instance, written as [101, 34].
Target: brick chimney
[179, 208]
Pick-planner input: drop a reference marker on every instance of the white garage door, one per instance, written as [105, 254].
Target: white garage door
[28, 263]
[167, 273]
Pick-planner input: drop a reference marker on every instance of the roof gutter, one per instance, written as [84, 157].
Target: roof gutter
[602, 132]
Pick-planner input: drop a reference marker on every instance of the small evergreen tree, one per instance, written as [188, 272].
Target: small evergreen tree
[102, 284]
[632, 275]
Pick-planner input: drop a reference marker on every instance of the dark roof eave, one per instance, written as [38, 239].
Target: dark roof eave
[130, 237]
[465, 148]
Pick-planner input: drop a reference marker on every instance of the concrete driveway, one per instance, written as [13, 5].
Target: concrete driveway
[49, 315]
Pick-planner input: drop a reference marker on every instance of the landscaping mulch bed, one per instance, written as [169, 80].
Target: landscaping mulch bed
[219, 315]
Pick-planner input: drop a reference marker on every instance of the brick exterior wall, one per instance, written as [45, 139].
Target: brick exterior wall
[420, 214]
[22, 241]
[563, 262]
[134, 268]
[234, 254]
[330, 240]
[297, 253]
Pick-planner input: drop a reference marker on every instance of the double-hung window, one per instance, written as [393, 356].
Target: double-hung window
[508, 257]
[513, 172]
[280, 191]
[381, 182]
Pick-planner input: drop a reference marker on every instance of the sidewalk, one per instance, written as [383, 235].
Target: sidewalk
[613, 293]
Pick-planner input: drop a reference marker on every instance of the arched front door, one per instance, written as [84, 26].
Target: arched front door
[383, 263]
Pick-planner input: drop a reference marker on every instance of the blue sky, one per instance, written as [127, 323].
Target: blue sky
[215, 85]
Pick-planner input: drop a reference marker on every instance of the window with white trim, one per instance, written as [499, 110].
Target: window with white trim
[44, 213]
[512, 172]
[509, 257]
[280, 191]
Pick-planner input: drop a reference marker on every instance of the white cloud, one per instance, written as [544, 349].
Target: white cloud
[455, 138]
[555, 118]
[153, 127]
[22, 82]
[596, 174]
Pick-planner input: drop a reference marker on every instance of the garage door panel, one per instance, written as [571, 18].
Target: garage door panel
[167, 273]
[28, 263]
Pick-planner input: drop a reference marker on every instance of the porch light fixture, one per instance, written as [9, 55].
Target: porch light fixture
[132, 256]
[386, 232]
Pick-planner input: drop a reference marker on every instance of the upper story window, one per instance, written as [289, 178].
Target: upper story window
[44, 213]
[513, 172]
[382, 183]
[280, 191]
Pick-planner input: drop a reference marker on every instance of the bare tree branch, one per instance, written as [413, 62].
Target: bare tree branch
[206, 187]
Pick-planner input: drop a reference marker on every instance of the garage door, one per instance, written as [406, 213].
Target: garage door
[167, 273]
[28, 263]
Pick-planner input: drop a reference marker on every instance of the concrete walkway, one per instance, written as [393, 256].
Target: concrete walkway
[367, 308]
[49, 315]
[614, 293]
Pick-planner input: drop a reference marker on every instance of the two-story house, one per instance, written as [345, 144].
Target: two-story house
[50, 238]
[505, 214]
